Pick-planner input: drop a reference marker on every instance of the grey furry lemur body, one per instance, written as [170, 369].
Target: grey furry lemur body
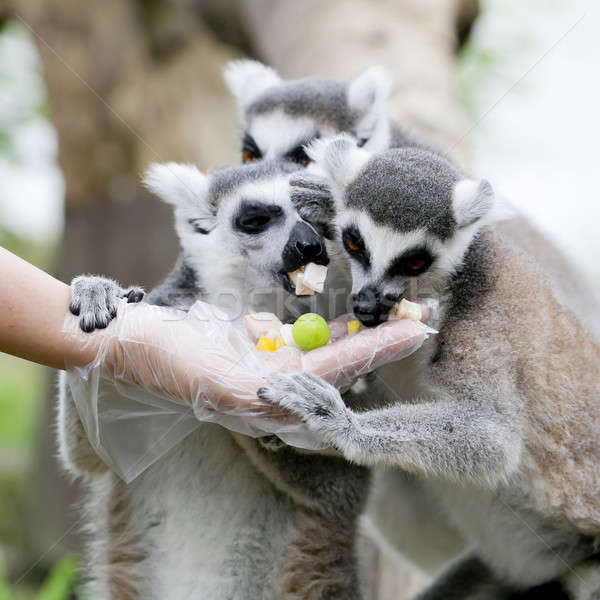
[499, 413]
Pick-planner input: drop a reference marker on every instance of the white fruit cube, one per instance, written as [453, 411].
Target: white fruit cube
[286, 334]
[314, 277]
[301, 288]
[407, 310]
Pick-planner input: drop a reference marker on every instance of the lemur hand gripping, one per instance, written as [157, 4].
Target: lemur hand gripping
[159, 371]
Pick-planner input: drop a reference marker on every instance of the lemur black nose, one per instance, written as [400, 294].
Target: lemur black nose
[368, 307]
[303, 246]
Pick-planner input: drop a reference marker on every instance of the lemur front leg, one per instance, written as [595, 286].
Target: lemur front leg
[94, 300]
[455, 438]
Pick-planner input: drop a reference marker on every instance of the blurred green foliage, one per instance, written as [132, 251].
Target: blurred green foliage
[23, 385]
[59, 584]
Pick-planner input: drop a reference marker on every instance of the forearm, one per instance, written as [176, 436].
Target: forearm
[451, 440]
[33, 306]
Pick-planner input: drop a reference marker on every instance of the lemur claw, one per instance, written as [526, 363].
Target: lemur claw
[317, 403]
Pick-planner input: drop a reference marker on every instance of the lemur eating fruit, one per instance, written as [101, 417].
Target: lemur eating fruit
[498, 415]
[220, 516]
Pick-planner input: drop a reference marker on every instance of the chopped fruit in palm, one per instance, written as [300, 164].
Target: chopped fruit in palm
[311, 331]
[353, 326]
[266, 344]
[288, 336]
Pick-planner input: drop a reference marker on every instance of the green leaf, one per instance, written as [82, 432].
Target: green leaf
[60, 582]
[5, 593]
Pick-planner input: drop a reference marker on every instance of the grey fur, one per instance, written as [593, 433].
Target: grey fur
[489, 411]
[226, 181]
[180, 289]
[322, 99]
[326, 102]
[314, 202]
[393, 189]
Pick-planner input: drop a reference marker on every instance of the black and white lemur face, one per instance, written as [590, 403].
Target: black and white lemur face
[238, 226]
[406, 218]
[280, 117]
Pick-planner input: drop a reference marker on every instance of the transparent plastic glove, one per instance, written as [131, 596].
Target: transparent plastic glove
[159, 371]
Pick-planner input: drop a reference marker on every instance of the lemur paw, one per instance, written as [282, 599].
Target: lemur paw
[315, 401]
[94, 300]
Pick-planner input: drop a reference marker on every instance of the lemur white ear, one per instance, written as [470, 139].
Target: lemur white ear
[339, 159]
[187, 189]
[367, 95]
[471, 200]
[181, 185]
[246, 79]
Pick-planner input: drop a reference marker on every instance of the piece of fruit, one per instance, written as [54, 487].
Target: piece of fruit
[260, 323]
[279, 342]
[314, 277]
[301, 288]
[265, 344]
[353, 326]
[407, 310]
[287, 335]
[310, 331]
[308, 279]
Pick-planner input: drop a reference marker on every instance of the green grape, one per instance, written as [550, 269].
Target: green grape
[310, 331]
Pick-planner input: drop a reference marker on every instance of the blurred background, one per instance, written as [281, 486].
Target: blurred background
[509, 89]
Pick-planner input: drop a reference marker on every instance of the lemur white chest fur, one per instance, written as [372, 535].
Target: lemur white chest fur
[500, 418]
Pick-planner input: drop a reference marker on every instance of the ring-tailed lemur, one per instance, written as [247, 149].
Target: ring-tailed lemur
[220, 516]
[499, 413]
[278, 118]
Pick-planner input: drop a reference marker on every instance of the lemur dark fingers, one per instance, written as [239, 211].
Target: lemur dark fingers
[94, 300]
[305, 395]
[133, 295]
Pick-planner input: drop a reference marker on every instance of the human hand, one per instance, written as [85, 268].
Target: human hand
[201, 359]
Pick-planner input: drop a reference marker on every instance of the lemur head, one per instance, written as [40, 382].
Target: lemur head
[406, 217]
[238, 226]
[280, 117]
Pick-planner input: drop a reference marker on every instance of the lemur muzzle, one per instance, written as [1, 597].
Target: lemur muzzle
[370, 307]
[303, 246]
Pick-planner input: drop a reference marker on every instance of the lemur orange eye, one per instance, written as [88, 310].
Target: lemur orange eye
[352, 246]
[411, 263]
[248, 156]
[415, 264]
